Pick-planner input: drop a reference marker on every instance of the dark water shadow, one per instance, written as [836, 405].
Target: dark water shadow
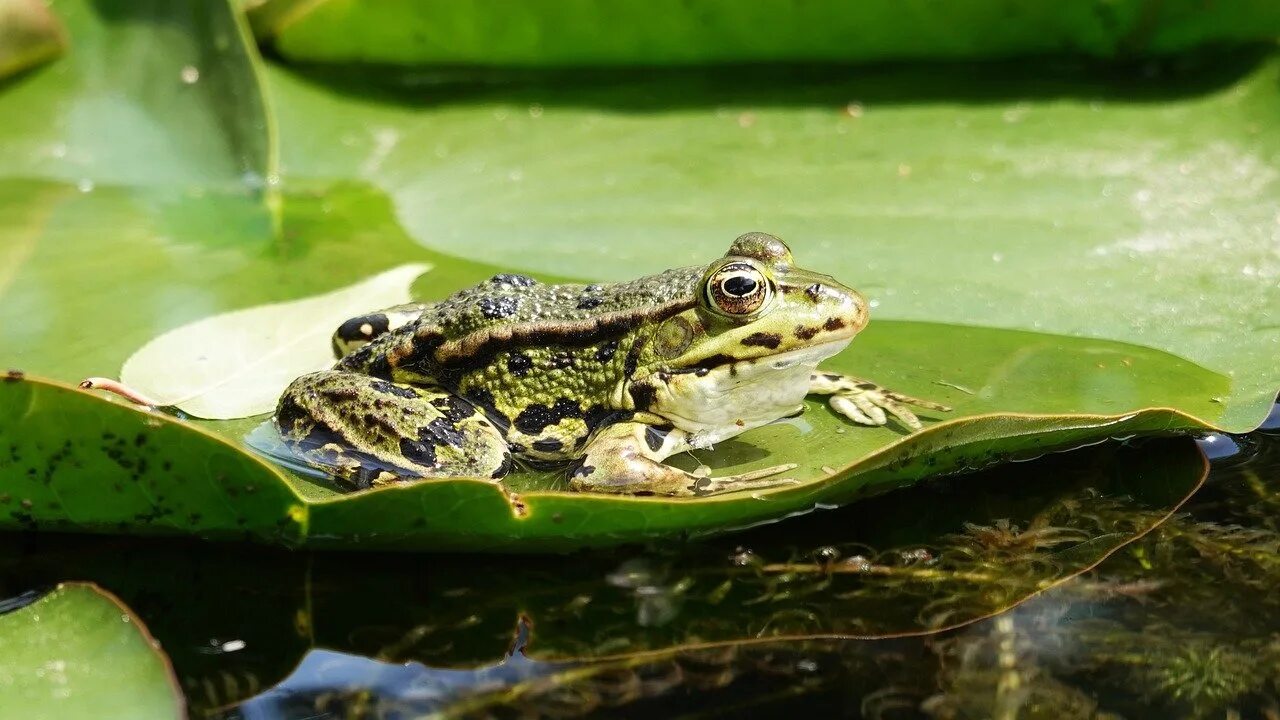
[641, 90]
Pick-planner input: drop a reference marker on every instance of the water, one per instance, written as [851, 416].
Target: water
[1181, 623]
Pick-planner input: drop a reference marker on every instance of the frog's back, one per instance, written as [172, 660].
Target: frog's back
[514, 311]
[516, 301]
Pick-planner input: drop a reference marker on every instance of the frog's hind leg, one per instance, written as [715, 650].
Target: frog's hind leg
[865, 402]
[364, 329]
[365, 431]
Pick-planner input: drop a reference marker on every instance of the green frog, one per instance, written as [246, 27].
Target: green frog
[606, 380]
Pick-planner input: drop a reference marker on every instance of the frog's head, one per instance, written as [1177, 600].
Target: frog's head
[744, 353]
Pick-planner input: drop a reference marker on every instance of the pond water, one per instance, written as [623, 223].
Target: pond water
[1180, 623]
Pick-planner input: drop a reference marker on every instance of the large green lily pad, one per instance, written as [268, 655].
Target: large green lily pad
[78, 652]
[1063, 200]
[663, 32]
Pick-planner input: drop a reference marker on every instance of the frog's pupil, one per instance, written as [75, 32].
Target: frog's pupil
[739, 286]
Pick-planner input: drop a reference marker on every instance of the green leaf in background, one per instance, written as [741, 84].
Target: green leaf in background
[155, 93]
[236, 364]
[78, 652]
[671, 32]
[29, 35]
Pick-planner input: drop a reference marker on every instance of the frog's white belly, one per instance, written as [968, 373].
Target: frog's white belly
[734, 398]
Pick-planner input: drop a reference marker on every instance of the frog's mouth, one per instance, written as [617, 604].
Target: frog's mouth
[731, 398]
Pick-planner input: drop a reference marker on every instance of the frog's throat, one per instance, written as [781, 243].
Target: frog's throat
[735, 397]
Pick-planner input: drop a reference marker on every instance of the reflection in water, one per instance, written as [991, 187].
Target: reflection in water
[1181, 623]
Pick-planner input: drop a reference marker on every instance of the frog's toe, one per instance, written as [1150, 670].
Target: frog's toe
[754, 480]
[849, 408]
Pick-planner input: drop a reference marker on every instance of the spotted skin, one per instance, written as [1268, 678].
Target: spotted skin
[369, 432]
[607, 380]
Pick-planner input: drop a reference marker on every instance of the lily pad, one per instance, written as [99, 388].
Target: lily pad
[662, 32]
[78, 652]
[1079, 202]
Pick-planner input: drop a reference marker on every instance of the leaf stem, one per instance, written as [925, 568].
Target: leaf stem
[118, 388]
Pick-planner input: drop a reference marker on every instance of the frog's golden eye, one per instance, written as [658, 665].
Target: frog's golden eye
[738, 288]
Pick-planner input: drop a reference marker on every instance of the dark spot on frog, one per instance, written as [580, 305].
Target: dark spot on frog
[593, 287]
[513, 280]
[518, 449]
[518, 363]
[455, 409]
[422, 354]
[832, 377]
[497, 308]
[832, 324]
[504, 468]
[387, 388]
[588, 302]
[483, 399]
[806, 333]
[713, 362]
[599, 415]
[763, 339]
[417, 452]
[632, 361]
[536, 417]
[561, 361]
[441, 432]
[655, 436]
[365, 327]
[14, 376]
[865, 386]
[642, 395]
[380, 367]
[606, 351]
[548, 445]
[814, 292]
[582, 470]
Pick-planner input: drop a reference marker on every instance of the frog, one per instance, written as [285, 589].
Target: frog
[602, 381]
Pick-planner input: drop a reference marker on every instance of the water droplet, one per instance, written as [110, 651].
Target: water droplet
[190, 74]
[59, 150]
[535, 110]
[744, 558]
[85, 185]
[853, 110]
[515, 175]
[997, 257]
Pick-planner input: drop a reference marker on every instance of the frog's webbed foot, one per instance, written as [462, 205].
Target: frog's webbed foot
[867, 403]
[627, 459]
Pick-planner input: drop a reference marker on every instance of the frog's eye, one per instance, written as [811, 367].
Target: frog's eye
[738, 288]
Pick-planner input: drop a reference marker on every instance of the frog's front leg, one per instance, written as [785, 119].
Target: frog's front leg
[627, 458]
[865, 402]
[365, 431]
